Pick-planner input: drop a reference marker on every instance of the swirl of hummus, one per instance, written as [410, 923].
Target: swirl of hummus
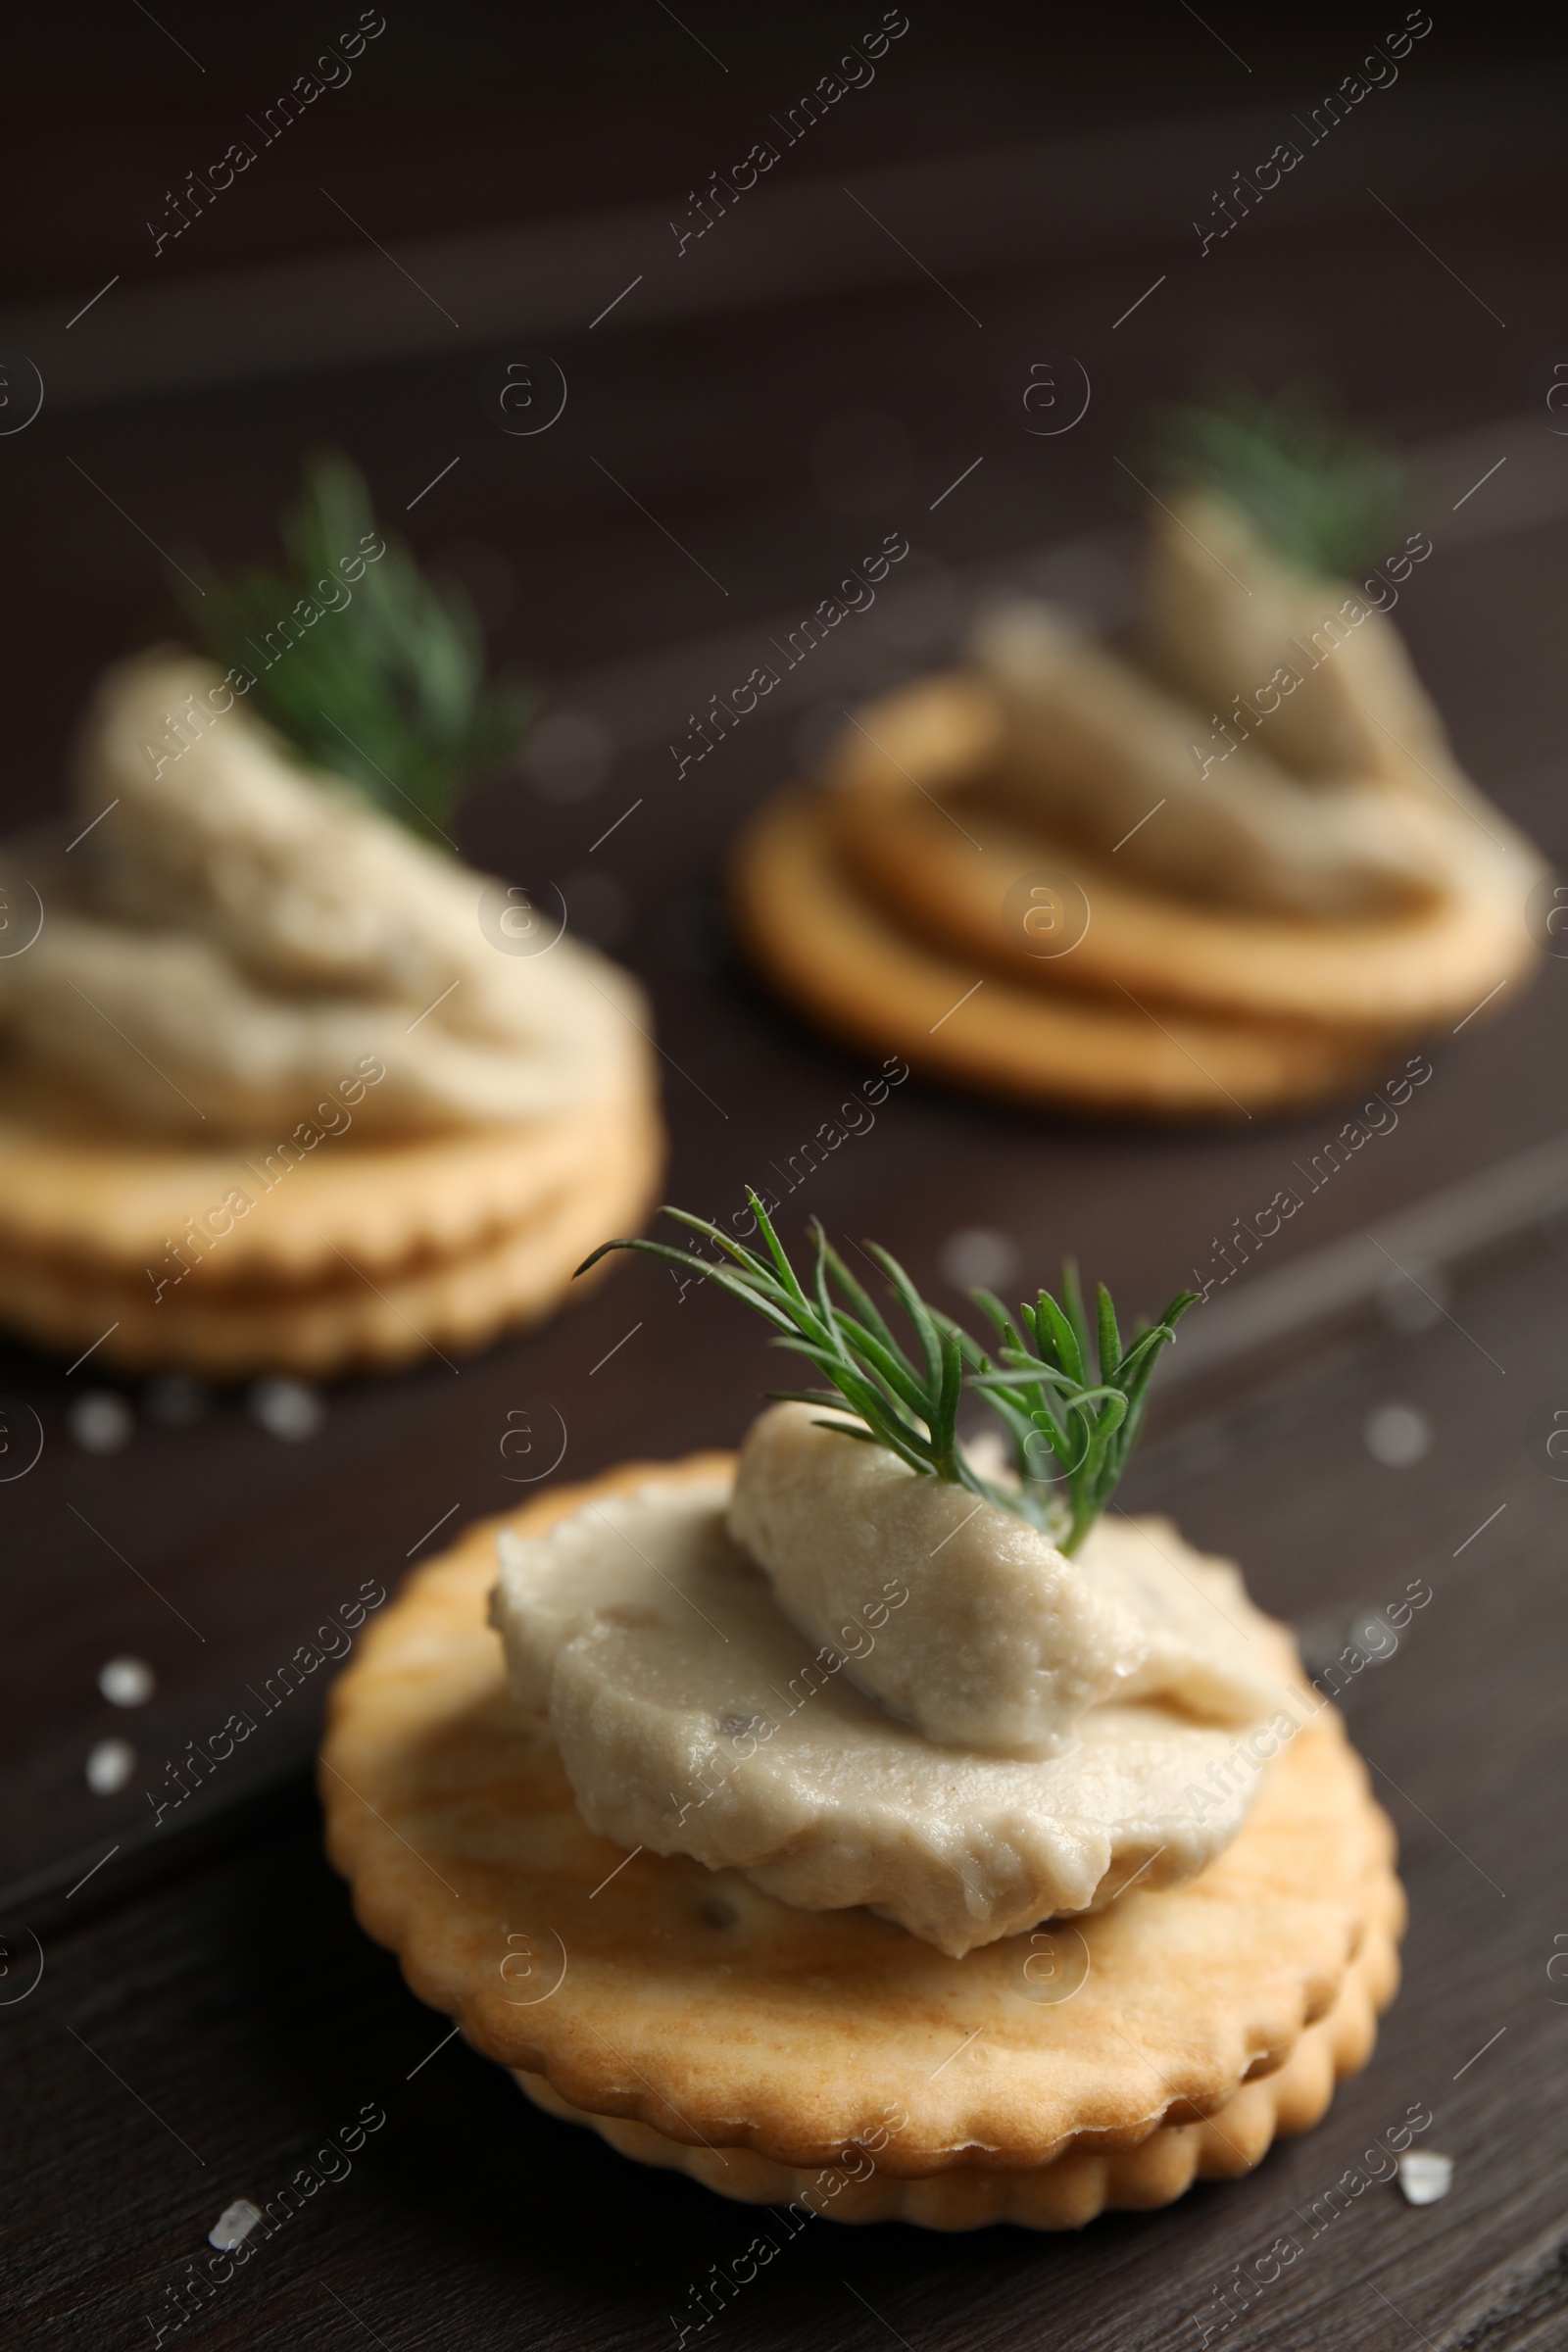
[1272, 723]
[860, 1685]
[236, 930]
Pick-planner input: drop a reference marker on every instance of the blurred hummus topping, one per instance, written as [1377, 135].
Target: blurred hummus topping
[233, 932]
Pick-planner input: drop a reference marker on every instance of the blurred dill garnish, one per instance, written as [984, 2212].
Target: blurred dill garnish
[379, 677]
[1327, 495]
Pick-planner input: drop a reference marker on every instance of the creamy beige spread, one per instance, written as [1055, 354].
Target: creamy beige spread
[235, 932]
[997, 1645]
[1265, 732]
[694, 1716]
[1207, 1648]
[1003, 1643]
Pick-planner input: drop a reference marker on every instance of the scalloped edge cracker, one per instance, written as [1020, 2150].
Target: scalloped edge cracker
[835, 953]
[1075, 2188]
[515, 1272]
[694, 2006]
[89, 1197]
[1375, 978]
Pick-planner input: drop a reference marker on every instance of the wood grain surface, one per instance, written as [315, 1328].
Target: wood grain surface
[208, 2014]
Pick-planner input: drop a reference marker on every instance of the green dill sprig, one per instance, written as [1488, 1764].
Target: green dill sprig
[1075, 1399]
[1071, 1410]
[1327, 495]
[361, 663]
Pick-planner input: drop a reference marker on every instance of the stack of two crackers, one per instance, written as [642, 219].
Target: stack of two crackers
[308, 1253]
[831, 2061]
[1064, 877]
[185, 1181]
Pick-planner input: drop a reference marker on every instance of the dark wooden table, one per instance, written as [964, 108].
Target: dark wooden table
[208, 2012]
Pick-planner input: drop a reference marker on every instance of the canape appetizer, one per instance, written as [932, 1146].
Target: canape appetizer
[1219, 869]
[875, 1819]
[285, 1085]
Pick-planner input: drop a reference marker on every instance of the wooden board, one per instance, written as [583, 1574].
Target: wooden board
[208, 2015]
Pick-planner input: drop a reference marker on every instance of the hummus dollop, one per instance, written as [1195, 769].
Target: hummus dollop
[774, 1714]
[1273, 719]
[235, 932]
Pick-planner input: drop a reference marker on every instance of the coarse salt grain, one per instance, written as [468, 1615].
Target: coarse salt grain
[101, 1421]
[110, 1766]
[234, 2223]
[127, 1681]
[285, 1408]
[1425, 2177]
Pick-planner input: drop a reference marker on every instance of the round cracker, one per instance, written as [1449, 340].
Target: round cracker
[652, 1989]
[517, 1275]
[94, 1198]
[834, 950]
[946, 866]
[1076, 2186]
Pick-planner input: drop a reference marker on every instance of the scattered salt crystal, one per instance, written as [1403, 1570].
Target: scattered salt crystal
[979, 1259]
[1397, 1435]
[127, 1681]
[1425, 2177]
[101, 1421]
[234, 2224]
[110, 1766]
[287, 1409]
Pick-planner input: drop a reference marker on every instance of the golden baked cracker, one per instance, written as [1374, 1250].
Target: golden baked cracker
[835, 952]
[687, 2000]
[1075, 2187]
[91, 1196]
[459, 1302]
[916, 826]
[946, 865]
